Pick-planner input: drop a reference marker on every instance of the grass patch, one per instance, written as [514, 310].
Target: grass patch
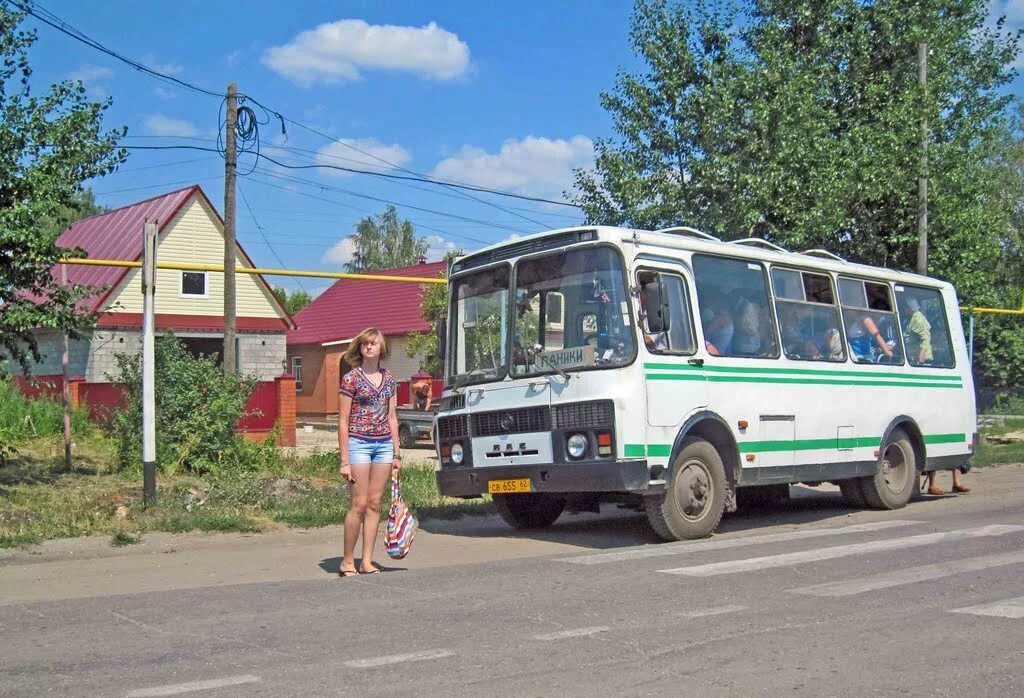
[123, 538]
[990, 454]
[38, 501]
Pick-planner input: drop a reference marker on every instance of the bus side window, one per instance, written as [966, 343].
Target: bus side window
[735, 313]
[923, 324]
[870, 322]
[679, 337]
[808, 316]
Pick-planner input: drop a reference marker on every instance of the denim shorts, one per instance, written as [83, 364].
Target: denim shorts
[362, 450]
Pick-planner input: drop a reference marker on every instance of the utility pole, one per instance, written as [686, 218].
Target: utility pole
[148, 357]
[66, 390]
[922, 178]
[230, 165]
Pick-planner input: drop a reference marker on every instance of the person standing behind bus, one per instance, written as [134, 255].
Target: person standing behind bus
[367, 443]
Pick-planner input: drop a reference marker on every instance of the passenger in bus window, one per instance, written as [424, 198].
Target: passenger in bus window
[718, 329]
[917, 334]
[795, 330]
[867, 343]
[746, 340]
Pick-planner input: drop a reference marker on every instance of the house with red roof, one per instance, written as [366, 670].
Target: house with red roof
[189, 303]
[317, 347]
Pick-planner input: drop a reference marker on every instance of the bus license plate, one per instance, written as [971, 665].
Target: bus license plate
[508, 486]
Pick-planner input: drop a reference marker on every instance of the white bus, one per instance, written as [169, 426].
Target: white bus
[676, 371]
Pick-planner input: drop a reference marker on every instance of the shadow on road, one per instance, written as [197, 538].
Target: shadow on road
[618, 528]
[332, 565]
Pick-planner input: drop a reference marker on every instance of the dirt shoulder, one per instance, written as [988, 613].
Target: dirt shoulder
[90, 567]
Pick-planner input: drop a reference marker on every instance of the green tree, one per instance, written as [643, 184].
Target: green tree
[798, 121]
[385, 242]
[433, 308]
[292, 302]
[49, 146]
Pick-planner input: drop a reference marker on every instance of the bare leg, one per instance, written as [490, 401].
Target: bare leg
[356, 512]
[380, 475]
[933, 487]
[958, 484]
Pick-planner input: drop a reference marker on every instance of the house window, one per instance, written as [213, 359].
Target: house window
[297, 371]
[193, 283]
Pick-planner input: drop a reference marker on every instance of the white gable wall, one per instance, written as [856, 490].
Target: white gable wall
[193, 237]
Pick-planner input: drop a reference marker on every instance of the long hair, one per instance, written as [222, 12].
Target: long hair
[354, 353]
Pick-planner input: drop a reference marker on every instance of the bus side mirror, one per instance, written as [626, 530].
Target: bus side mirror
[442, 337]
[655, 307]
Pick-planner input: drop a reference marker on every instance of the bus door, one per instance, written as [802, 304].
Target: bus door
[674, 380]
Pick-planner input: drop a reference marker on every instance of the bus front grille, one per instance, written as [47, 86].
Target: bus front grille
[517, 421]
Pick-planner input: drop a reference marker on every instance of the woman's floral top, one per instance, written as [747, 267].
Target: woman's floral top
[369, 416]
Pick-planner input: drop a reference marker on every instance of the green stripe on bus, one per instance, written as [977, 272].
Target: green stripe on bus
[664, 450]
[799, 371]
[794, 381]
[945, 438]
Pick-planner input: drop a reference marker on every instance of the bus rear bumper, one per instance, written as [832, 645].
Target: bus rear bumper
[587, 476]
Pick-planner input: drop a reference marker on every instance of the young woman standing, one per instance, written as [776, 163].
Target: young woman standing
[367, 442]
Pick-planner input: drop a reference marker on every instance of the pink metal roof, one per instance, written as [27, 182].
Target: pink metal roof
[117, 234]
[351, 305]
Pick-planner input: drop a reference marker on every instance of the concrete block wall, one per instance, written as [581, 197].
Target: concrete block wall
[95, 358]
[262, 354]
[91, 358]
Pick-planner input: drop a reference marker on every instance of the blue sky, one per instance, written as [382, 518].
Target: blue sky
[496, 94]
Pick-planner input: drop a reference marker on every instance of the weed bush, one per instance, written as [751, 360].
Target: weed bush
[23, 418]
[197, 409]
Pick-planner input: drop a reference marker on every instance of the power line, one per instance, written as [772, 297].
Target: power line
[264, 236]
[49, 18]
[46, 17]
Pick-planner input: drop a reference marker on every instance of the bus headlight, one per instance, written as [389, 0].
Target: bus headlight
[576, 446]
[457, 454]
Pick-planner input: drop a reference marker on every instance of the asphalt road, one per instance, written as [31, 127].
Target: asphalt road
[804, 597]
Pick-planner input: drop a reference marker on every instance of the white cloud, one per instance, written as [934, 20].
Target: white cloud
[532, 166]
[149, 60]
[341, 252]
[91, 76]
[337, 51]
[346, 153]
[232, 58]
[438, 247]
[160, 125]
[164, 93]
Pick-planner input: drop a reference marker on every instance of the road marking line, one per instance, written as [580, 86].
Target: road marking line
[398, 659]
[1007, 608]
[787, 559]
[578, 632]
[911, 575]
[721, 544]
[717, 611]
[179, 688]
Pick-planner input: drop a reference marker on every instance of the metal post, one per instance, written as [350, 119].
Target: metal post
[148, 394]
[66, 391]
[970, 342]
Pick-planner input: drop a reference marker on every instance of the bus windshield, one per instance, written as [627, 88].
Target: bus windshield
[571, 312]
[479, 326]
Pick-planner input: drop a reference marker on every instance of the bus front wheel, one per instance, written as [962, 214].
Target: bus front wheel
[893, 484]
[533, 510]
[694, 498]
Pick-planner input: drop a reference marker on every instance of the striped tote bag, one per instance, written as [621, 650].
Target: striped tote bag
[402, 525]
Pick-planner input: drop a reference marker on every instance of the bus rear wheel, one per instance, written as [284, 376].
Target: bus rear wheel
[893, 484]
[532, 510]
[694, 498]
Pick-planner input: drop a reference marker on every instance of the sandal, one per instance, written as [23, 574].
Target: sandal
[376, 570]
[348, 573]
